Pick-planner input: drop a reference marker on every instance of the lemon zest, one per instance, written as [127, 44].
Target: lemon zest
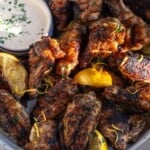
[37, 130]
[140, 58]
[133, 92]
[116, 134]
[115, 127]
[43, 115]
[49, 80]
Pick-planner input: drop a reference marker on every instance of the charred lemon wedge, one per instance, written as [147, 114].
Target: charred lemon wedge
[14, 73]
[93, 77]
[98, 142]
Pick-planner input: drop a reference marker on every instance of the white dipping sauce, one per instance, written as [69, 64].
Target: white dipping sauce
[22, 22]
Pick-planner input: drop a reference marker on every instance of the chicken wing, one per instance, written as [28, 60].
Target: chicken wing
[118, 127]
[80, 120]
[42, 57]
[136, 67]
[88, 10]
[138, 32]
[105, 37]
[61, 12]
[138, 97]
[70, 42]
[13, 118]
[55, 101]
[43, 136]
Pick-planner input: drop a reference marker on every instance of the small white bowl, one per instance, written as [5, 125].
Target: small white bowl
[22, 23]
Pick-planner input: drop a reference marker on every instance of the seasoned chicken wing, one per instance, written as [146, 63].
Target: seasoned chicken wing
[138, 97]
[138, 32]
[43, 136]
[105, 36]
[88, 10]
[80, 120]
[136, 67]
[42, 57]
[118, 127]
[13, 118]
[70, 42]
[61, 12]
[55, 101]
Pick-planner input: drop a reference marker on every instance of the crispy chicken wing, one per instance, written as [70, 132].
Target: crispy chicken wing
[138, 97]
[43, 136]
[89, 10]
[13, 118]
[138, 32]
[61, 12]
[118, 127]
[136, 67]
[42, 57]
[105, 37]
[56, 99]
[70, 42]
[79, 121]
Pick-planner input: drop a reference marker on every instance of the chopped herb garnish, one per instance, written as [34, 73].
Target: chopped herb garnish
[119, 28]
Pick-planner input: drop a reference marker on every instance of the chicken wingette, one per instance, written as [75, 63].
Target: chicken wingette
[105, 36]
[70, 43]
[118, 127]
[80, 120]
[42, 56]
[55, 101]
[138, 32]
[14, 120]
[135, 96]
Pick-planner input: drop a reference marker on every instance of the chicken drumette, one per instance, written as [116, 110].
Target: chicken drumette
[105, 36]
[13, 118]
[88, 10]
[118, 127]
[61, 12]
[80, 119]
[43, 136]
[135, 96]
[138, 32]
[42, 56]
[55, 101]
[70, 42]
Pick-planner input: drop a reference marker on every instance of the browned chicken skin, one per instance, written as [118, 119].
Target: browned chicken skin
[138, 32]
[142, 8]
[61, 12]
[70, 42]
[105, 37]
[89, 10]
[136, 67]
[138, 97]
[44, 138]
[42, 57]
[118, 127]
[80, 120]
[13, 118]
[56, 99]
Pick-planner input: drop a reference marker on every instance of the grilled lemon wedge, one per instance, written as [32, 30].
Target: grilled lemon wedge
[98, 142]
[14, 73]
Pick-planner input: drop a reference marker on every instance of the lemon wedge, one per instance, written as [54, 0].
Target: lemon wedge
[98, 142]
[14, 73]
[93, 77]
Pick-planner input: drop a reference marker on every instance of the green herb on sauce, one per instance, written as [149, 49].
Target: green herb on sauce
[19, 17]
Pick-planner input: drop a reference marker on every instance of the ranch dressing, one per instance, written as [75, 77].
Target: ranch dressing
[22, 22]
